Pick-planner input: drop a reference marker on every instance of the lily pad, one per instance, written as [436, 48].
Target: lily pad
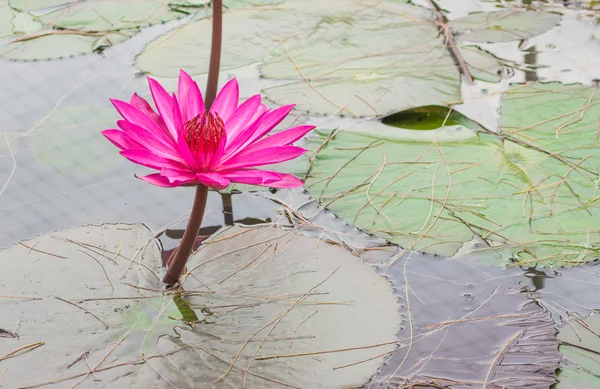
[370, 60]
[503, 26]
[93, 296]
[82, 27]
[466, 323]
[13, 23]
[525, 194]
[68, 139]
[60, 44]
[251, 36]
[580, 345]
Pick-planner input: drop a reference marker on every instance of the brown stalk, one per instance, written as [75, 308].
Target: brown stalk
[442, 25]
[177, 262]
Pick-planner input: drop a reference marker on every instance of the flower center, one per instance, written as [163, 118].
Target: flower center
[203, 132]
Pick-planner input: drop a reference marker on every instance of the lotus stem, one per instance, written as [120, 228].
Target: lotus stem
[176, 265]
[215, 53]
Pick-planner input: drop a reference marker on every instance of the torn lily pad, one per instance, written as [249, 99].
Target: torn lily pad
[503, 26]
[526, 194]
[93, 294]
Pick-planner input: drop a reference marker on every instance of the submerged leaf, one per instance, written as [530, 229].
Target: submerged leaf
[524, 193]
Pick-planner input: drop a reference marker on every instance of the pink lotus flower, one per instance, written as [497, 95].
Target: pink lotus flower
[190, 145]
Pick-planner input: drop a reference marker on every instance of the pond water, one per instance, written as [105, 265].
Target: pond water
[456, 152]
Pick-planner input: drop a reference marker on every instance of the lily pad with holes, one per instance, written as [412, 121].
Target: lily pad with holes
[92, 296]
[526, 194]
[503, 26]
[580, 345]
[69, 139]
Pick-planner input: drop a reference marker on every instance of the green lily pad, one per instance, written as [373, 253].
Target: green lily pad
[251, 35]
[429, 118]
[526, 194]
[370, 61]
[61, 44]
[84, 26]
[92, 296]
[580, 345]
[14, 23]
[503, 26]
[37, 6]
[70, 139]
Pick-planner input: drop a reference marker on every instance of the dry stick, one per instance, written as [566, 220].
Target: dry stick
[581, 113]
[375, 143]
[324, 352]
[445, 323]
[284, 314]
[265, 326]
[23, 349]
[250, 262]
[83, 309]
[2, 377]
[94, 369]
[253, 269]
[110, 367]
[307, 80]
[252, 374]
[299, 324]
[32, 248]
[363, 361]
[61, 32]
[506, 345]
[564, 180]
[20, 297]
[442, 25]
[103, 269]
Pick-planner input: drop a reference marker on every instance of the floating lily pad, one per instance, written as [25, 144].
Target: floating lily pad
[370, 60]
[60, 44]
[14, 23]
[580, 345]
[251, 36]
[82, 27]
[37, 6]
[470, 325]
[93, 296]
[526, 194]
[70, 139]
[503, 26]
